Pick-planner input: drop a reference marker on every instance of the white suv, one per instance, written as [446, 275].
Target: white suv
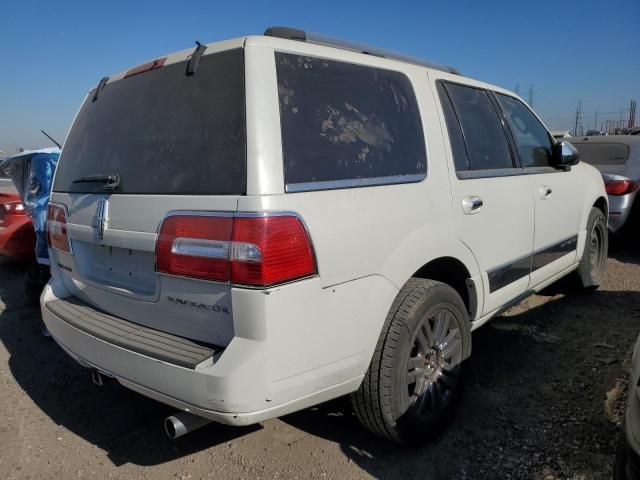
[262, 224]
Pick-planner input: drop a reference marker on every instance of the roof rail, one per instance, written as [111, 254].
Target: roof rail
[318, 39]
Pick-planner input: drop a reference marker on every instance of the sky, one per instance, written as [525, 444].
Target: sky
[53, 52]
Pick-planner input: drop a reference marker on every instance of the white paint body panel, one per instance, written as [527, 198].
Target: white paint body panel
[291, 346]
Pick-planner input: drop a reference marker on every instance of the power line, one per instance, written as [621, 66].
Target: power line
[578, 119]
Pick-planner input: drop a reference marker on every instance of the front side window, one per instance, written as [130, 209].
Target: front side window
[533, 140]
[484, 136]
[347, 124]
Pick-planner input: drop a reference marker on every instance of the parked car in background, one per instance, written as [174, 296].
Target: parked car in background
[17, 236]
[305, 218]
[627, 465]
[31, 171]
[561, 134]
[6, 185]
[617, 157]
[593, 133]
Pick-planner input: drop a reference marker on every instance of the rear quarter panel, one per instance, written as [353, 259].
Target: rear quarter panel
[368, 241]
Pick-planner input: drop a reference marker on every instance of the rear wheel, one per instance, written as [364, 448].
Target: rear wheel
[416, 374]
[594, 257]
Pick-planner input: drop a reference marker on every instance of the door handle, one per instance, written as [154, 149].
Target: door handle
[471, 205]
[545, 192]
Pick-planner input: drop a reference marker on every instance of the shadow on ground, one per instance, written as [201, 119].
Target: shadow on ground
[543, 396]
[128, 426]
[535, 399]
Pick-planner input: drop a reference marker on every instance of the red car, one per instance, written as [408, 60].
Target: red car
[17, 236]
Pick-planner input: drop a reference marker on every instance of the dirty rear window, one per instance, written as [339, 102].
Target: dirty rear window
[601, 153]
[163, 132]
[347, 125]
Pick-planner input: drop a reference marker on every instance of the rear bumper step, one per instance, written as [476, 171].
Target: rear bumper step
[128, 335]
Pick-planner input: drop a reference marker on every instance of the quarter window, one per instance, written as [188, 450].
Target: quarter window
[346, 125]
[486, 143]
[533, 140]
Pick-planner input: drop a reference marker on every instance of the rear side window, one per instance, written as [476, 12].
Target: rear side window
[533, 140]
[163, 132]
[486, 143]
[458, 147]
[347, 125]
[601, 153]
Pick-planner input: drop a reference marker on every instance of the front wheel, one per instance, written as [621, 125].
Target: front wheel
[415, 377]
[594, 258]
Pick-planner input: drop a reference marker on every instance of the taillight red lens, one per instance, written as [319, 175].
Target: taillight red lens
[270, 250]
[254, 251]
[195, 246]
[621, 187]
[14, 208]
[57, 228]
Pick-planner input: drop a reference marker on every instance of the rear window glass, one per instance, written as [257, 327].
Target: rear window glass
[163, 132]
[600, 153]
[347, 124]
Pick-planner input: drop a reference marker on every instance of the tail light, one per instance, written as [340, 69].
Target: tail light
[254, 250]
[57, 228]
[14, 208]
[621, 187]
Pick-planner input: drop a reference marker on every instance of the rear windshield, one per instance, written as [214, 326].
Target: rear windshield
[600, 153]
[163, 132]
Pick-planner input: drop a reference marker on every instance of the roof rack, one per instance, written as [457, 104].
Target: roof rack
[318, 39]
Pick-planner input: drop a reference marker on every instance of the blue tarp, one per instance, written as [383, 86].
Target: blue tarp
[32, 173]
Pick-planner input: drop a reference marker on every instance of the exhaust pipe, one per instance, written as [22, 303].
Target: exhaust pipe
[96, 377]
[182, 423]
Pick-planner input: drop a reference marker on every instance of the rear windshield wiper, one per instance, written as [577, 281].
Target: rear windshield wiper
[111, 181]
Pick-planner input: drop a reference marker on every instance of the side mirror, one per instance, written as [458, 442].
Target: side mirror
[565, 155]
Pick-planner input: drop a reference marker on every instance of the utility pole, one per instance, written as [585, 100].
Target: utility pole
[632, 115]
[531, 96]
[578, 119]
[595, 123]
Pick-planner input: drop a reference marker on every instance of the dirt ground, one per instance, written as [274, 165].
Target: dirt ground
[542, 401]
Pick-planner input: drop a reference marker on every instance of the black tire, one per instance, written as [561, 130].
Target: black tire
[427, 328]
[594, 258]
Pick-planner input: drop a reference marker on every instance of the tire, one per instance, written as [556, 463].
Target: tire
[594, 258]
[416, 376]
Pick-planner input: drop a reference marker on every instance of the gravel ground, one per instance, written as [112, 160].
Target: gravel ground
[543, 401]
